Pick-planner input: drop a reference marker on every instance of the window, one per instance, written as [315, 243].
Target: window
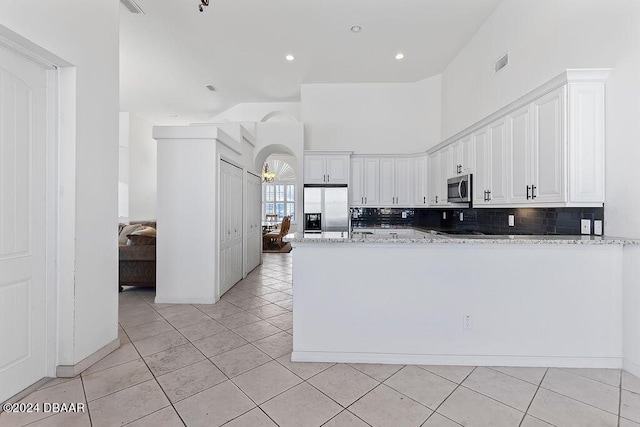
[279, 199]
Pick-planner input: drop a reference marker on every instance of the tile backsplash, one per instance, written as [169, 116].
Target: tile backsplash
[538, 221]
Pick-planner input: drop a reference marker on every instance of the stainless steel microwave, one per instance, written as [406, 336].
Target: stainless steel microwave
[459, 189]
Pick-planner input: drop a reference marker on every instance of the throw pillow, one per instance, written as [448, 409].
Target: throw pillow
[126, 230]
[142, 236]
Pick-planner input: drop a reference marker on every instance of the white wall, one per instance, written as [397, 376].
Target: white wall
[85, 34]
[372, 118]
[259, 111]
[143, 156]
[544, 38]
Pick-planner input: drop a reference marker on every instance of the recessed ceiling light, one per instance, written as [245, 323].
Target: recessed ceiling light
[399, 56]
[173, 116]
[356, 28]
[212, 88]
[289, 57]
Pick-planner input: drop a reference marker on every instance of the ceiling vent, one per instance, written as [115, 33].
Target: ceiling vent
[212, 88]
[132, 6]
[502, 62]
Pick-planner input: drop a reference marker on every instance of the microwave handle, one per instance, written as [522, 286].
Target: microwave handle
[460, 189]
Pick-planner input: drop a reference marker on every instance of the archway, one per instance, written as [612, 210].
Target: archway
[283, 196]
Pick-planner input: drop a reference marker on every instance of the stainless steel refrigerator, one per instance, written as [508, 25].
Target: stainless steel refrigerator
[332, 203]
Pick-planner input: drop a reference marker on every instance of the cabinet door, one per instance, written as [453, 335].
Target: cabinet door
[433, 182]
[520, 155]
[337, 169]
[446, 172]
[371, 181]
[315, 169]
[404, 188]
[465, 154]
[481, 168]
[498, 167]
[419, 180]
[356, 185]
[387, 181]
[548, 155]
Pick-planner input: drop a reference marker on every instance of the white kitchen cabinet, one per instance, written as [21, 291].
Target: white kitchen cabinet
[545, 149]
[547, 180]
[462, 156]
[364, 187]
[537, 151]
[325, 168]
[395, 181]
[499, 166]
[420, 181]
[521, 154]
[439, 170]
[481, 167]
[490, 180]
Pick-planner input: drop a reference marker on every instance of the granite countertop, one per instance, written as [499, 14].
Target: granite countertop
[416, 236]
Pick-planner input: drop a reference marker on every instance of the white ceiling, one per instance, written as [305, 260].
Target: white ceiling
[169, 53]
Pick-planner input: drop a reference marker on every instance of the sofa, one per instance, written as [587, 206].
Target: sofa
[137, 254]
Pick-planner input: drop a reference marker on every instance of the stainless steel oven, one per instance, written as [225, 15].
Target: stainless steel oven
[459, 189]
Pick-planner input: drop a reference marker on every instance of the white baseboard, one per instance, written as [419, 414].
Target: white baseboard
[69, 371]
[631, 367]
[462, 360]
[184, 300]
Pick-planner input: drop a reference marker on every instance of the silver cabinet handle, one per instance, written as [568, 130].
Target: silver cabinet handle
[436, 199]
[328, 179]
[533, 191]
[365, 200]
[424, 200]
[528, 189]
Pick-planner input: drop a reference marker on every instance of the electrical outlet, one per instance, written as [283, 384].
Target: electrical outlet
[404, 215]
[585, 226]
[512, 220]
[461, 216]
[444, 215]
[597, 227]
[466, 322]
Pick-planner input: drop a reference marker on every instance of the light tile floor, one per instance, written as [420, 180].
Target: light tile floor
[229, 364]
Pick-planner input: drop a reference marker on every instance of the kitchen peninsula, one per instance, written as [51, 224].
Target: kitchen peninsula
[423, 298]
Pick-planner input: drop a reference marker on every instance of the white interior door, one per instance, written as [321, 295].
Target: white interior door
[23, 291]
[231, 234]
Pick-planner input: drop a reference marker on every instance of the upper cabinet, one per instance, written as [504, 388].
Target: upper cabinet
[490, 180]
[439, 169]
[546, 149]
[462, 156]
[326, 168]
[381, 181]
[420, 181]
[364, 188]
[537, 150]
[395, 181]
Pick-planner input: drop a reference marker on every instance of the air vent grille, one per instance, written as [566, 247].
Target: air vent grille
[502, 62]
[132, 6]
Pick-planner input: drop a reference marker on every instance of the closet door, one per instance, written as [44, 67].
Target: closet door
[231, 234]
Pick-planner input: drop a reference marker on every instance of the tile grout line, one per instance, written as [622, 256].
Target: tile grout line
[585, 377]
[453, 391]
[533, 398]
[620, 400]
